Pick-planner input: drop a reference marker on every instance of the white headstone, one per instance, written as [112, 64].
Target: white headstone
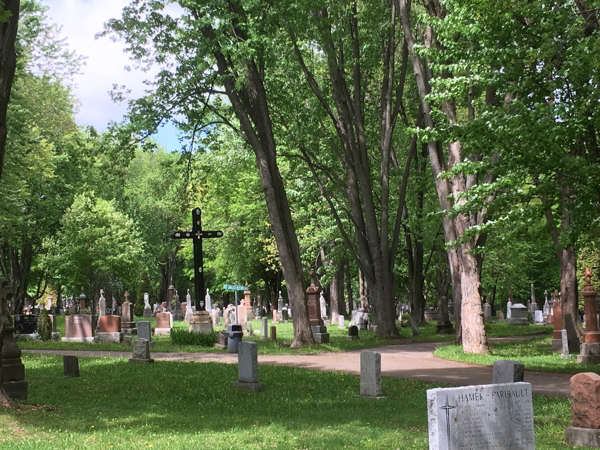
[484, 417]
[508, 311]
[102, 304]
[341, 322]
[208, 302]
[323, 305]
[147, 301]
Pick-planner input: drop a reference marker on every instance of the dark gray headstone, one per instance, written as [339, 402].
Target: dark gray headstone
[574, 346]
[353, 332]
[506, 371]
[71, 366]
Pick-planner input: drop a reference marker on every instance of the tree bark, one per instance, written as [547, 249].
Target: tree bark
[249, 101]
[471, 313]
[349, 291]
[5, 400]
[8, 35]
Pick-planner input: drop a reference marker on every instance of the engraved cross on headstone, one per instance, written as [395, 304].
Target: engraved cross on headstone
[197, 235]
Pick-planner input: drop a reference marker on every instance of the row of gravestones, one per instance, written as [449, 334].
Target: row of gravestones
[492, 416]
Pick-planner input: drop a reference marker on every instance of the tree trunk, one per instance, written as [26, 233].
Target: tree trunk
[568, 286]
[349, 291]
[336, 294]
[471, 314]
[5, 400]
[249, 101]
[363, 291]
[8, 35]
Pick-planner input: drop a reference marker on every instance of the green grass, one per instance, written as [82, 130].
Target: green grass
[536, 354]
[339, 341]
[170, 405]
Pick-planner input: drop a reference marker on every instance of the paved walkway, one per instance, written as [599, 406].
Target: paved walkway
[412, 361]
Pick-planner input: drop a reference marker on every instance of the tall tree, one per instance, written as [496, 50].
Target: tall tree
[9, 21]
[214, 50]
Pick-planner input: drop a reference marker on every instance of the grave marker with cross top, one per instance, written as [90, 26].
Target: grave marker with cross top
[197, 235]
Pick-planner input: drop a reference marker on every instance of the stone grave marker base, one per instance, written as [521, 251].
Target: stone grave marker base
[590, 354]
[141, 360]
[78, 339]
[109, 336]
[320, 334]
[255, 387]
[200, 323]
[162, 331]
[582, 437]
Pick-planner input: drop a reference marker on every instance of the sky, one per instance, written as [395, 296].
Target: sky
[105, 64]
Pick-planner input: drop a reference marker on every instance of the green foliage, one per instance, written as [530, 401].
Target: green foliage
[184, 337]
[138, 308]
[96, 245]
[44, 326]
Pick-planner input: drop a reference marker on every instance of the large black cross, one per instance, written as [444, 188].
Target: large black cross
[197, 235]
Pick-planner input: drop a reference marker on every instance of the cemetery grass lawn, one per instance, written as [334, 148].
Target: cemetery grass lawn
[339, 341]
[174, 405]
[536, 354]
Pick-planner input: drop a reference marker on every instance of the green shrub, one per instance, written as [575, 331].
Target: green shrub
[44, 326]
[529, 317]
[138, 309]
[184, 337]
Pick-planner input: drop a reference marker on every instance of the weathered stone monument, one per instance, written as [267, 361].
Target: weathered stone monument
[319, 331]
[572, 339]
[518, 314]
[78, 328]
[102, 304]
[127, 321]
[109, 329]
[144, 331]
[507, 371]
[557, 319]
[264, 328]
[585, 398]
[248, 367]
[370, 374]
[164, 323]
[71, 366]
[141, 352]
[188, 307]
[483, 417]
[590, 349]
[487, 312]
[147, 307]
[13, 370]
[508, 307]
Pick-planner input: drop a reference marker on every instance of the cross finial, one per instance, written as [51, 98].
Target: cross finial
[587, 274]
[126, 295]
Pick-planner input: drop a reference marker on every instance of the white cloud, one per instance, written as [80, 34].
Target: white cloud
[105, 64]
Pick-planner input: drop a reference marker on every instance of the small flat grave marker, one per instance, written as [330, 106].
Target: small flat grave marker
[483, 417]
[71, 366]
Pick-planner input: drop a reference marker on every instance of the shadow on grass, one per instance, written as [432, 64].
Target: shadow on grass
[189, 398]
